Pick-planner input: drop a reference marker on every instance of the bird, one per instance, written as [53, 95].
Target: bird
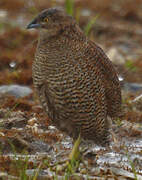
[77, 84]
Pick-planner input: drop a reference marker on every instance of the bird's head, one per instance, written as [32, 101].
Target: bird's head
[52, 21]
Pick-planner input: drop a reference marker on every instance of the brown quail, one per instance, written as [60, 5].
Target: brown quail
[76, 82]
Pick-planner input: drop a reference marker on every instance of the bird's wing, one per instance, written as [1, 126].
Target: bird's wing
[111, 83]
[96, 126]
[46, 100]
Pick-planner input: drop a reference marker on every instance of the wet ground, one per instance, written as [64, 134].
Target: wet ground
[29, 147]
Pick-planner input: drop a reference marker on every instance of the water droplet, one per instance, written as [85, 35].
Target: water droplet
[120, 78]
[12, 64]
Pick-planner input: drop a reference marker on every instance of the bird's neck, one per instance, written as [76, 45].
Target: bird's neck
[69, 36]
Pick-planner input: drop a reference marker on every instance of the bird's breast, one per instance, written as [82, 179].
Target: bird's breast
[72, 80]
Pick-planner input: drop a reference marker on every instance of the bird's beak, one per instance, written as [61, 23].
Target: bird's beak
[33, 24]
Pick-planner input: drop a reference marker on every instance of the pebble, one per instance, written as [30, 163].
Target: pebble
[15, 90]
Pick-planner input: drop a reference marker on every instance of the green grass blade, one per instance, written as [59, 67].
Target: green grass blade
[132, 165]
[90, 24]
[69, 5]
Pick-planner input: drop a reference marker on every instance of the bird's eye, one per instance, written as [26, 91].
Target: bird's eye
[45, 19]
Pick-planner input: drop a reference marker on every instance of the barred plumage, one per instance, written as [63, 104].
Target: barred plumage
[76, 82]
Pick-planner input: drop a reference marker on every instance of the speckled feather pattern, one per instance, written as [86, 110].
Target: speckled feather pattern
[77, 84]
